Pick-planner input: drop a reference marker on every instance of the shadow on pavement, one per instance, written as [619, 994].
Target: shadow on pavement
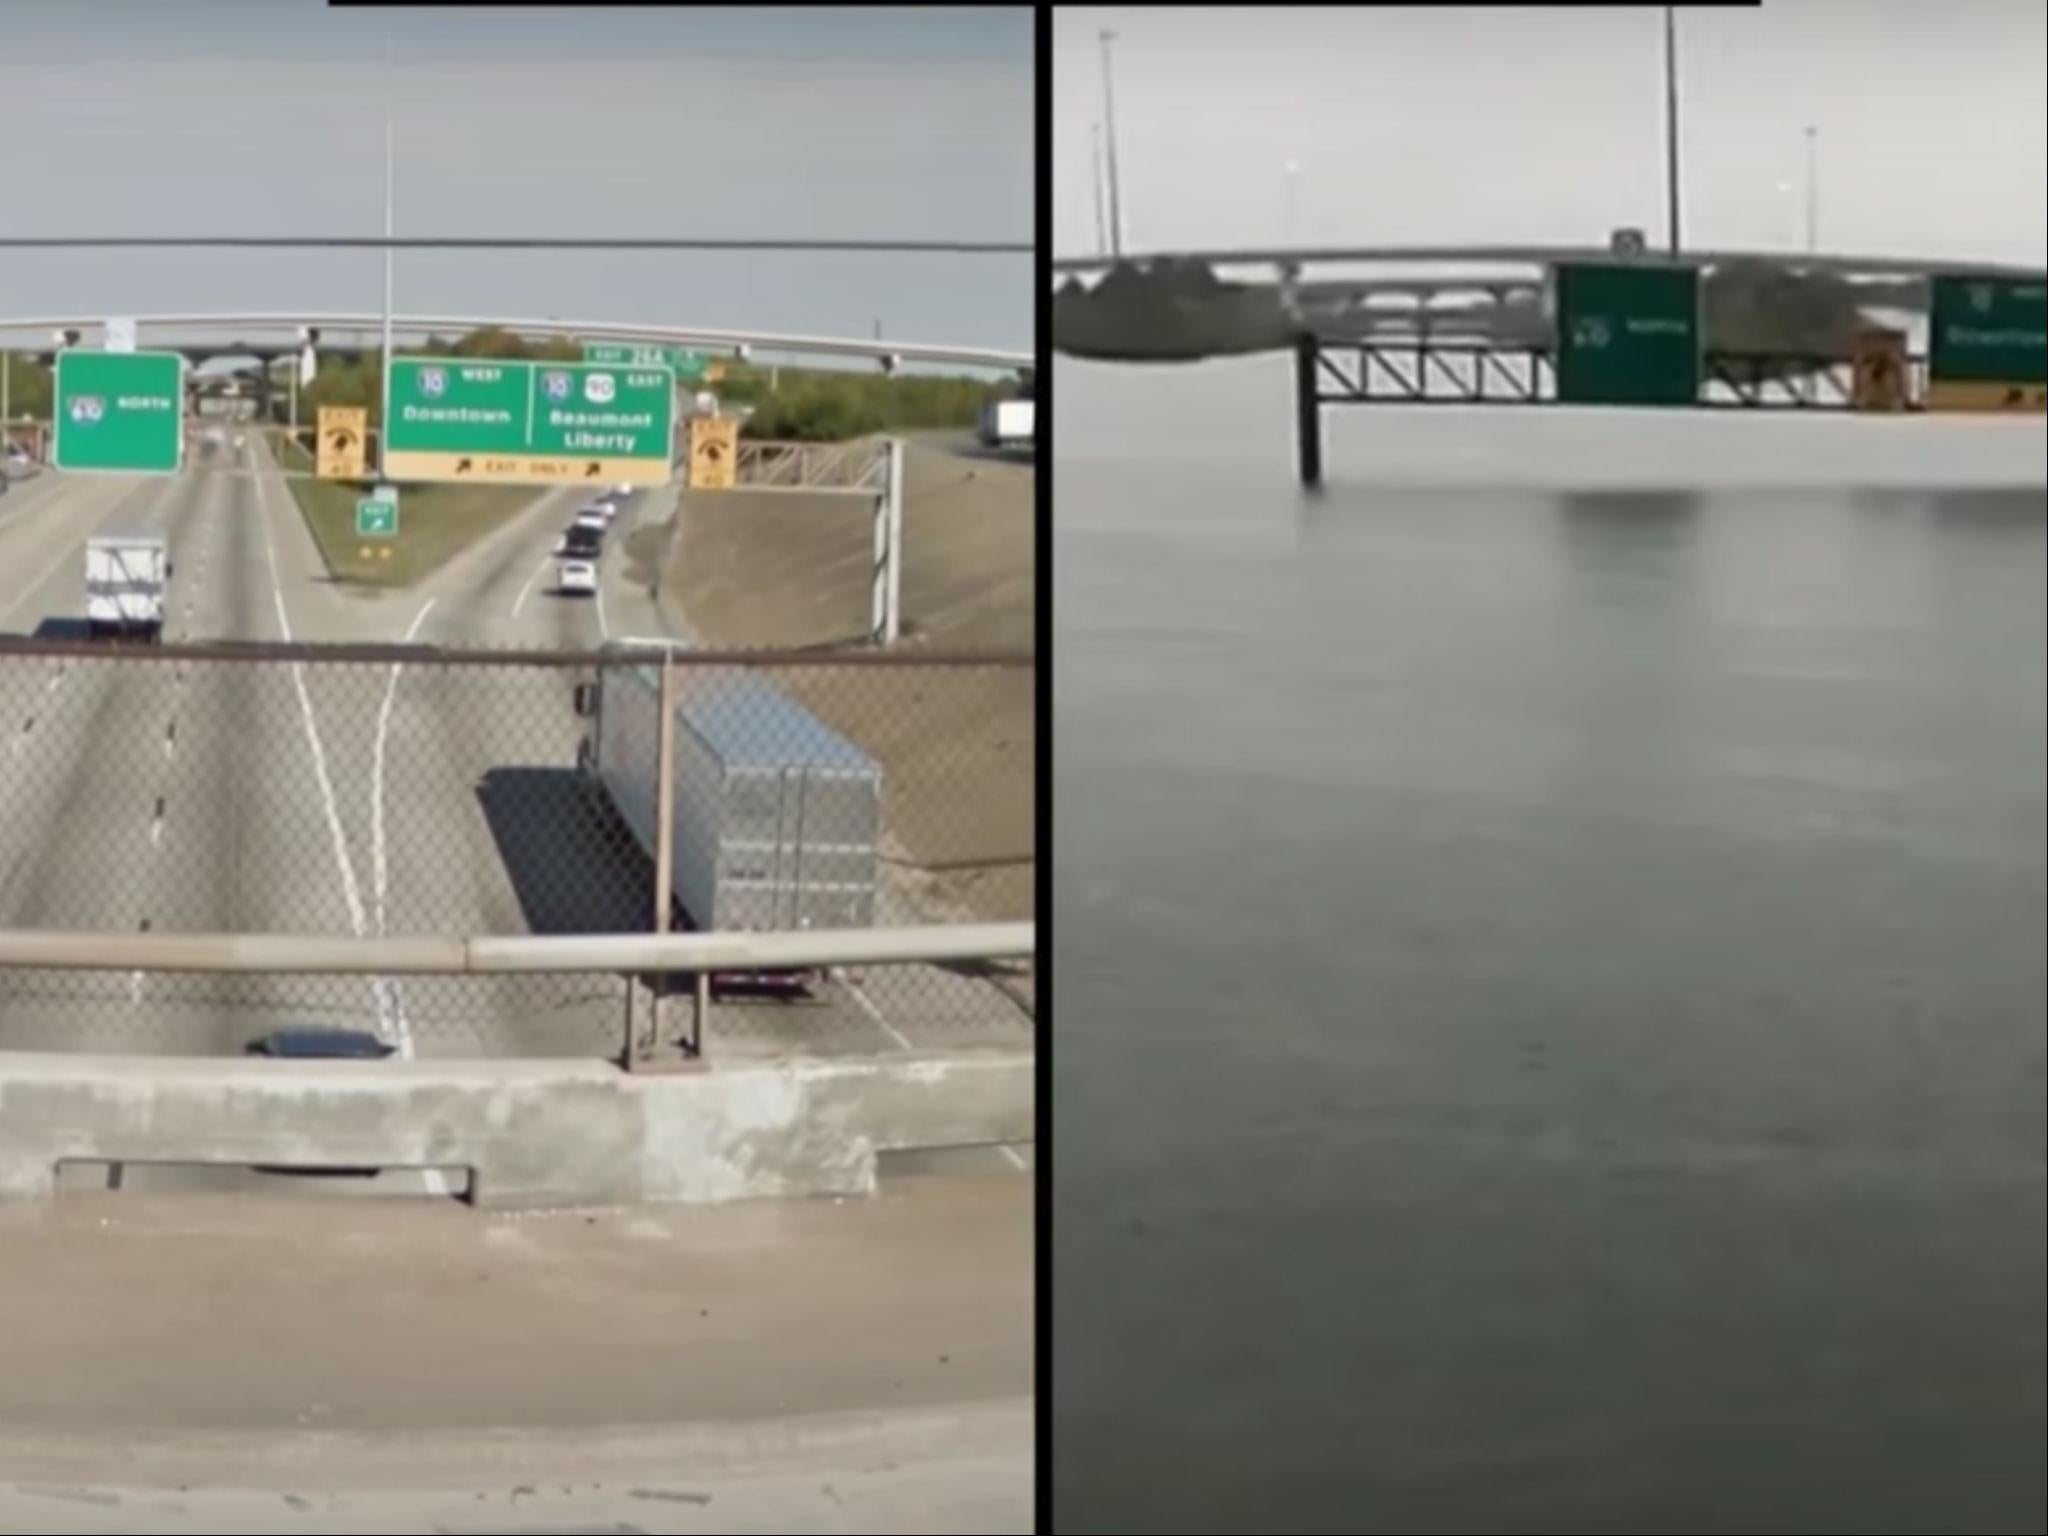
[574, 866]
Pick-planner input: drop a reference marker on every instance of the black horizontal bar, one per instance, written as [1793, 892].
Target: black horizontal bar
[504, 243]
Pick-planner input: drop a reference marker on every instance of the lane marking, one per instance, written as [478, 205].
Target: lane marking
[350, 892]
[435, 1181]
[380, 864]
[872, 1011]
[135, 977]
[603, 628]
[545, 561]
[433, 1178]
[1016, 1158]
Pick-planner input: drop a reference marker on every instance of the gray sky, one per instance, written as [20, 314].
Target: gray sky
[266, 117]
[1413, 126]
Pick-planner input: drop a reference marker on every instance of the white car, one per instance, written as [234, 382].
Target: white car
[621, 492]
[590, 517]
[604, 506]
[576, 576]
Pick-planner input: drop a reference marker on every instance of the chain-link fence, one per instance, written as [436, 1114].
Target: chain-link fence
[387, 792]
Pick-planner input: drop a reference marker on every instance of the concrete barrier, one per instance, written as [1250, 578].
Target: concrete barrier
[532, 1133]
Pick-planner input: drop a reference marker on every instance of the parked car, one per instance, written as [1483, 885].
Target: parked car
[576, 576]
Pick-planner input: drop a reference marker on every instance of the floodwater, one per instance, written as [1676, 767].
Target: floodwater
[1549, 968]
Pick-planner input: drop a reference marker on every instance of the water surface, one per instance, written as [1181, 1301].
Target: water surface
[1549, 1018]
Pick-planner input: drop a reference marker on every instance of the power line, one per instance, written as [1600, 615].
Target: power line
[507, 243]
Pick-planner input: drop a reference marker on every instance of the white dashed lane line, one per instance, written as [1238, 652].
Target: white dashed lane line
[859, 996]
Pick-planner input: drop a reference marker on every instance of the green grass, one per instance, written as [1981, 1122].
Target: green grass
[434, 523]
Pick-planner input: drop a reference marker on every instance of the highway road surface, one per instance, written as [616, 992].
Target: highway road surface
[362, 798]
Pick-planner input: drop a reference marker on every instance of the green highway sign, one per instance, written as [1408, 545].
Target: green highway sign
[497, 421]
[377, 518]
[1988, 330]
[622, 354]
[120, 411]
[1628, 335]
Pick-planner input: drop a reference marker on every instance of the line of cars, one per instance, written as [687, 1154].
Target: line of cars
[581, 546]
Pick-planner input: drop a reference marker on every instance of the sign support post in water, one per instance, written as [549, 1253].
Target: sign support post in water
[494, 421]
[119, 412]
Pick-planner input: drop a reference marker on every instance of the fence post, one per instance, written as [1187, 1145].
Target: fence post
[893, 625]
[878, 597]
[646, 1041]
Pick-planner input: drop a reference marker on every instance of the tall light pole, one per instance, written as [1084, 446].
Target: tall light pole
[1292, 172]
[1095, 163]
[384, 435]
[1671, 128]
[1812, 191]
[1116, 212]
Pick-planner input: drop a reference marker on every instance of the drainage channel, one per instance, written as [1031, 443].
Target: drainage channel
[99, 1175]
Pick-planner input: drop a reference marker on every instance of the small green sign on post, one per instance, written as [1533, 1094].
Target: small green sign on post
[120, 412]
[1628, 335]
[377, 517]
[623, 354]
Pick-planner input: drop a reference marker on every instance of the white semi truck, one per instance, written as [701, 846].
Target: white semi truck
[1008, 423]
[777, 817]
[125, 580]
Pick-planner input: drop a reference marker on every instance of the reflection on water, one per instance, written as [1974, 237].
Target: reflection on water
[1550, 985]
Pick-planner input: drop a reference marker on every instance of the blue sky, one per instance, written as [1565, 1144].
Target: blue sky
[266, 117]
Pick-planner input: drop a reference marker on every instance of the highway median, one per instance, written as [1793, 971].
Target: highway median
[436, 522]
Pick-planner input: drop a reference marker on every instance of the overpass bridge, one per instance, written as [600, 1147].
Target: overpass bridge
[1614, 325]
[264, 336]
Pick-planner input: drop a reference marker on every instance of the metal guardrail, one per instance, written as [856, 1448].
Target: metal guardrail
[767, 466]
[429, 955]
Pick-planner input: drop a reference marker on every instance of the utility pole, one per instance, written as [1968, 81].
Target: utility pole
[1671, 127]
[1812, 191]
[1116, 212]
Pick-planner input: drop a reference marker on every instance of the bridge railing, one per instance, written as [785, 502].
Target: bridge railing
[642, 963]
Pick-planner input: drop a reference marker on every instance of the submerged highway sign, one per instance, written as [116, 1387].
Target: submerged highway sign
[1628, 335]
[120, 412]
[1987, 344]
[497, 421]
